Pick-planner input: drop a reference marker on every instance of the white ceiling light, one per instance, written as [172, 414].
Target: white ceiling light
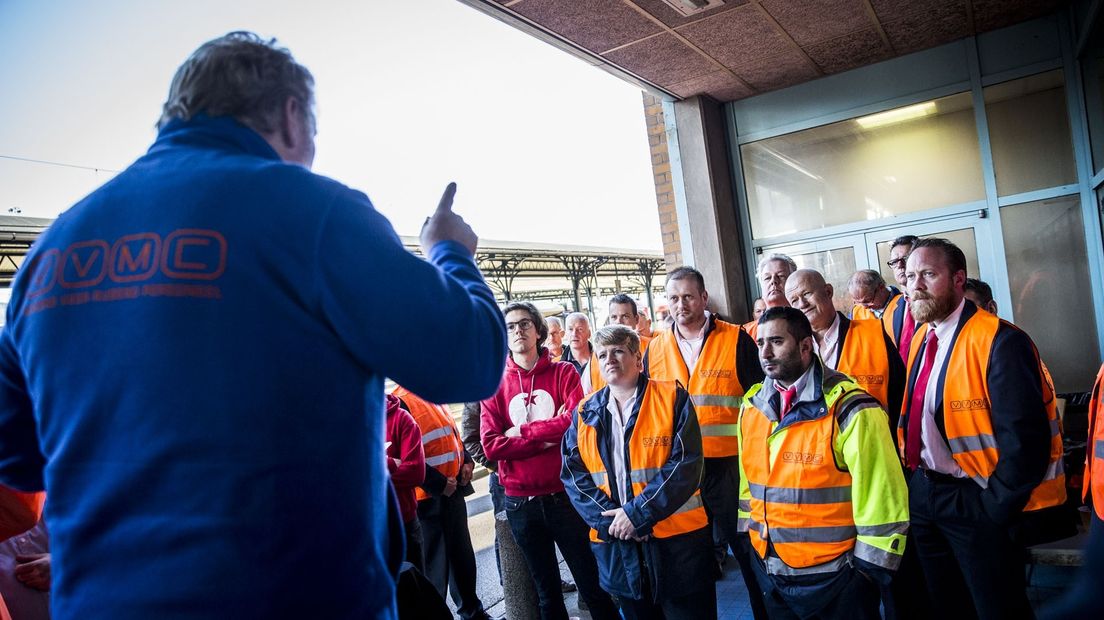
[899, 115]
[687, 8]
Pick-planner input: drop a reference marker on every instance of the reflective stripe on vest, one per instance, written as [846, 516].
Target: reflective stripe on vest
[441, 441]
[655, 420]
[714, 386]
[967, 410]
[864, 358]
[806, 502]
[1094, 453]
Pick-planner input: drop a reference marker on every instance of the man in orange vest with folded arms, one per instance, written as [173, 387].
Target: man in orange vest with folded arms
[632, 464]
[716, 361]
[442, 511]
[977, 434]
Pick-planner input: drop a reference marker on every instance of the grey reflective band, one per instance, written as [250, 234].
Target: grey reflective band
[691, 504]
[973, 442]
[716, 400]
[434, 461]
[822, 534]
[719, 430]
[756, 526]
[745, 505]
[600, 478]
[786, 495]
[444, 431]
[879, 557]
[982, 481]
[643, 475]
[1054, 469]
[1099, 449]
[742, 524]
[884, 529]
[1054, 427]
[776, 566]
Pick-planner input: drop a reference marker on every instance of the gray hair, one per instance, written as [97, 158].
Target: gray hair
[575, 317]
[243, 76]
[618, 334]
[866, 279]
[773, 257]
[554, 320]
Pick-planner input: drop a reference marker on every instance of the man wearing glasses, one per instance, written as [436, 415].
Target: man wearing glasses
[897, 319]
[521, 427]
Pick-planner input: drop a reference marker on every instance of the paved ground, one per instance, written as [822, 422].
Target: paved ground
[1047, 582]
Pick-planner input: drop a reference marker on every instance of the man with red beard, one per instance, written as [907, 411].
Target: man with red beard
[976, 438]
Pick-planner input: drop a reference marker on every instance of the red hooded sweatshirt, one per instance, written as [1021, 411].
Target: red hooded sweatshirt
[406, 446]
[541, 403]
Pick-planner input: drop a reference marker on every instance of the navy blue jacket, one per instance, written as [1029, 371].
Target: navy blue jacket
[193, 369]
[673, 566]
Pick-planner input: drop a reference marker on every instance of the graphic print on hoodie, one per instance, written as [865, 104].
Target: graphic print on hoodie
[540, 402]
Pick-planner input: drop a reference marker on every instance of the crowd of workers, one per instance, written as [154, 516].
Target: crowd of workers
[193, 367]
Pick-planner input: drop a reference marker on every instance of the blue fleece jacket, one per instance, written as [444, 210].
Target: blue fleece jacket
[193, 369]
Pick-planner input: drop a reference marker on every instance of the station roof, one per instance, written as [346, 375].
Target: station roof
[733, 49]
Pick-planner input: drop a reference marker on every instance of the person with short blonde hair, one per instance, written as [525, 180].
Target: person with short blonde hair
[640, 496]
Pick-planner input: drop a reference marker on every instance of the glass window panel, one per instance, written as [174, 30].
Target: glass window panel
[1030, 134]
[908, 159]
[963, 238]
[836, 266]
[1051, 292]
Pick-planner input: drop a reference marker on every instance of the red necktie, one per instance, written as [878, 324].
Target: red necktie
[787, 395]
[908, 328]
[916, 408]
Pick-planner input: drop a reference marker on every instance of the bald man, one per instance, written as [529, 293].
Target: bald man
[857, 347]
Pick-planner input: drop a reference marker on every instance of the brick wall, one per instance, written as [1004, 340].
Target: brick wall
[661, 174]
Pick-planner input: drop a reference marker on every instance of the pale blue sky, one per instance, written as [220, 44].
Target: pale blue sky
[410, 95]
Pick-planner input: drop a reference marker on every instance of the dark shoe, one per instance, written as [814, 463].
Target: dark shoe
[567, 586]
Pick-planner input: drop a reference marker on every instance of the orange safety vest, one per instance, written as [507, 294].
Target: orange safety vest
[751, 327]
[968, 415]
[801, 503]
[648, 453]
[864, 358]
[1094, 449]
[714, 387]
[861, 313]
[444, 451]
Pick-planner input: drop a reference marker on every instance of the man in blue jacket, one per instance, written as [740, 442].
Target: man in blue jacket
[632, 468]
[194, 358]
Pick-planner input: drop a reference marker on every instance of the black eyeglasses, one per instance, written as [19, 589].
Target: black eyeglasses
[522, 325]
[895, 263]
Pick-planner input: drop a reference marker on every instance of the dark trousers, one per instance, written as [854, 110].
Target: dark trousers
[847, 595]
[720, 492]
[449, 557]
[413, 531]
[972, 566]
[700, 605]
[906, 597]
[540, 525]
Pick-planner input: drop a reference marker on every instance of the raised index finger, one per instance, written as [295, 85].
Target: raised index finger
[446, 198]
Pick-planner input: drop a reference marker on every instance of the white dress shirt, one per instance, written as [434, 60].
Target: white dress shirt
[827, 350]
[935, 454]
[619, 417]
[691, 348]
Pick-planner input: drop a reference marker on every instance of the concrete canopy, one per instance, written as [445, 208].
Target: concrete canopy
[739, 48]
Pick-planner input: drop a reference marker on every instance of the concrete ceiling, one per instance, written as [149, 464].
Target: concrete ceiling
[745, 47]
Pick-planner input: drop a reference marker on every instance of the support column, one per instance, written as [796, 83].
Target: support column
[706, 210]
